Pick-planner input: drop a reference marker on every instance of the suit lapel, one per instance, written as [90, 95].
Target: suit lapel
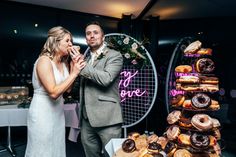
[104, 52]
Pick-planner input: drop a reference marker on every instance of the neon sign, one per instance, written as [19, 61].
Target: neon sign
[177, 74]
[124, 84]
[174, 92]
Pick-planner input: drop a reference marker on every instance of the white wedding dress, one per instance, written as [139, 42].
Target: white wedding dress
[46, 120]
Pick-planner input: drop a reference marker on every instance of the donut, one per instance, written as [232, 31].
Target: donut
[209, 80]
[217, 149]
[154, 148]
[170, 148]
[141, 142]
[152, 138]
[201, 122]
[209, 87]
[177, 100]
[185, 122]
[215, 123]
[2, 95]
[193, 47]
[162, 141]
[217, 134]
[183, 69]
[188, 79]
[205, 65]
[173, 117]
[204, 51]
[213, 141]
[184, 139]
[214, 105]
[201, 101]
[133, 135]
[199, 140]
[187, 104]
[187, 87]
[173, 132]
[182, 153]
[128, 146]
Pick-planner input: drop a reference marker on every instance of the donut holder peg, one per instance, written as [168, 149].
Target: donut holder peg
[199, 88]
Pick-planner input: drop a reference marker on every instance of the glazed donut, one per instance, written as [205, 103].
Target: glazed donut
[188, 79]
[201, 122]
[193, 47]
[185, 122]
[214, 105]
[209, 87]
[154, 148]
[128, 146]
[152, 138]
[187, 87]
[177, 100]
[213, 140]
[209, 80]
[205, 66]
[141, 142]
[205, 51]
[187, 104]
[182, 153]
[183, 69]
[215, 123]
[201, 101]
[173, 132]
[170, 148]
[199, 140]
[173, 117]
[162, 141]
[133, 135]
[184, 139]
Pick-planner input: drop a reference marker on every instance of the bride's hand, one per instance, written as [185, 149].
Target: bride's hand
[74, 53]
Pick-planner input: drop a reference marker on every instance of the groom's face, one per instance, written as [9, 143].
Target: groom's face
[94, 36]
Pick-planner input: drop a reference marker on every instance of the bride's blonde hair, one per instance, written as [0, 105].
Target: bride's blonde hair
[55, 35]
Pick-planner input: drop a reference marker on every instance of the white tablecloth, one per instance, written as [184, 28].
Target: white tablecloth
[10, 115]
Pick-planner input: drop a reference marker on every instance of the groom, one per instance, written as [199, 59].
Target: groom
[100, 110]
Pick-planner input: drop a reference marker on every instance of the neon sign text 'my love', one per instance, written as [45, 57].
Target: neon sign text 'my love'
[124, 85]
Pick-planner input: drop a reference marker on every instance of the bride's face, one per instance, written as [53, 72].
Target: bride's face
[65, 44]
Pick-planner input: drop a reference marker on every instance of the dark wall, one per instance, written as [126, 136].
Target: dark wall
[19, 51]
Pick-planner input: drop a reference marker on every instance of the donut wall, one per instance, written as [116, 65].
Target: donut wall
[192, 92]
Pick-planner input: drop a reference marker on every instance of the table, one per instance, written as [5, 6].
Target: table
[10, 116]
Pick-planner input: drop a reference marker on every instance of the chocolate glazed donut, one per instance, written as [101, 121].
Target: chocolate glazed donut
[201, 101]
[205, 66]
[199, 140]
[128, 146]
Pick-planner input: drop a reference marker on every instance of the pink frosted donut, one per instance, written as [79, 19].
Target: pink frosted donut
[202, 122]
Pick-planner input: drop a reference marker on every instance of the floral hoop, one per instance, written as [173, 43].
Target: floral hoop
[133, 52]
[138, 78]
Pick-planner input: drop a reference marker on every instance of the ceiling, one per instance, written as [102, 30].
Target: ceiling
[166, 9]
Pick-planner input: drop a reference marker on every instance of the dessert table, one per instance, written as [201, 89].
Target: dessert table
[12, 116]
